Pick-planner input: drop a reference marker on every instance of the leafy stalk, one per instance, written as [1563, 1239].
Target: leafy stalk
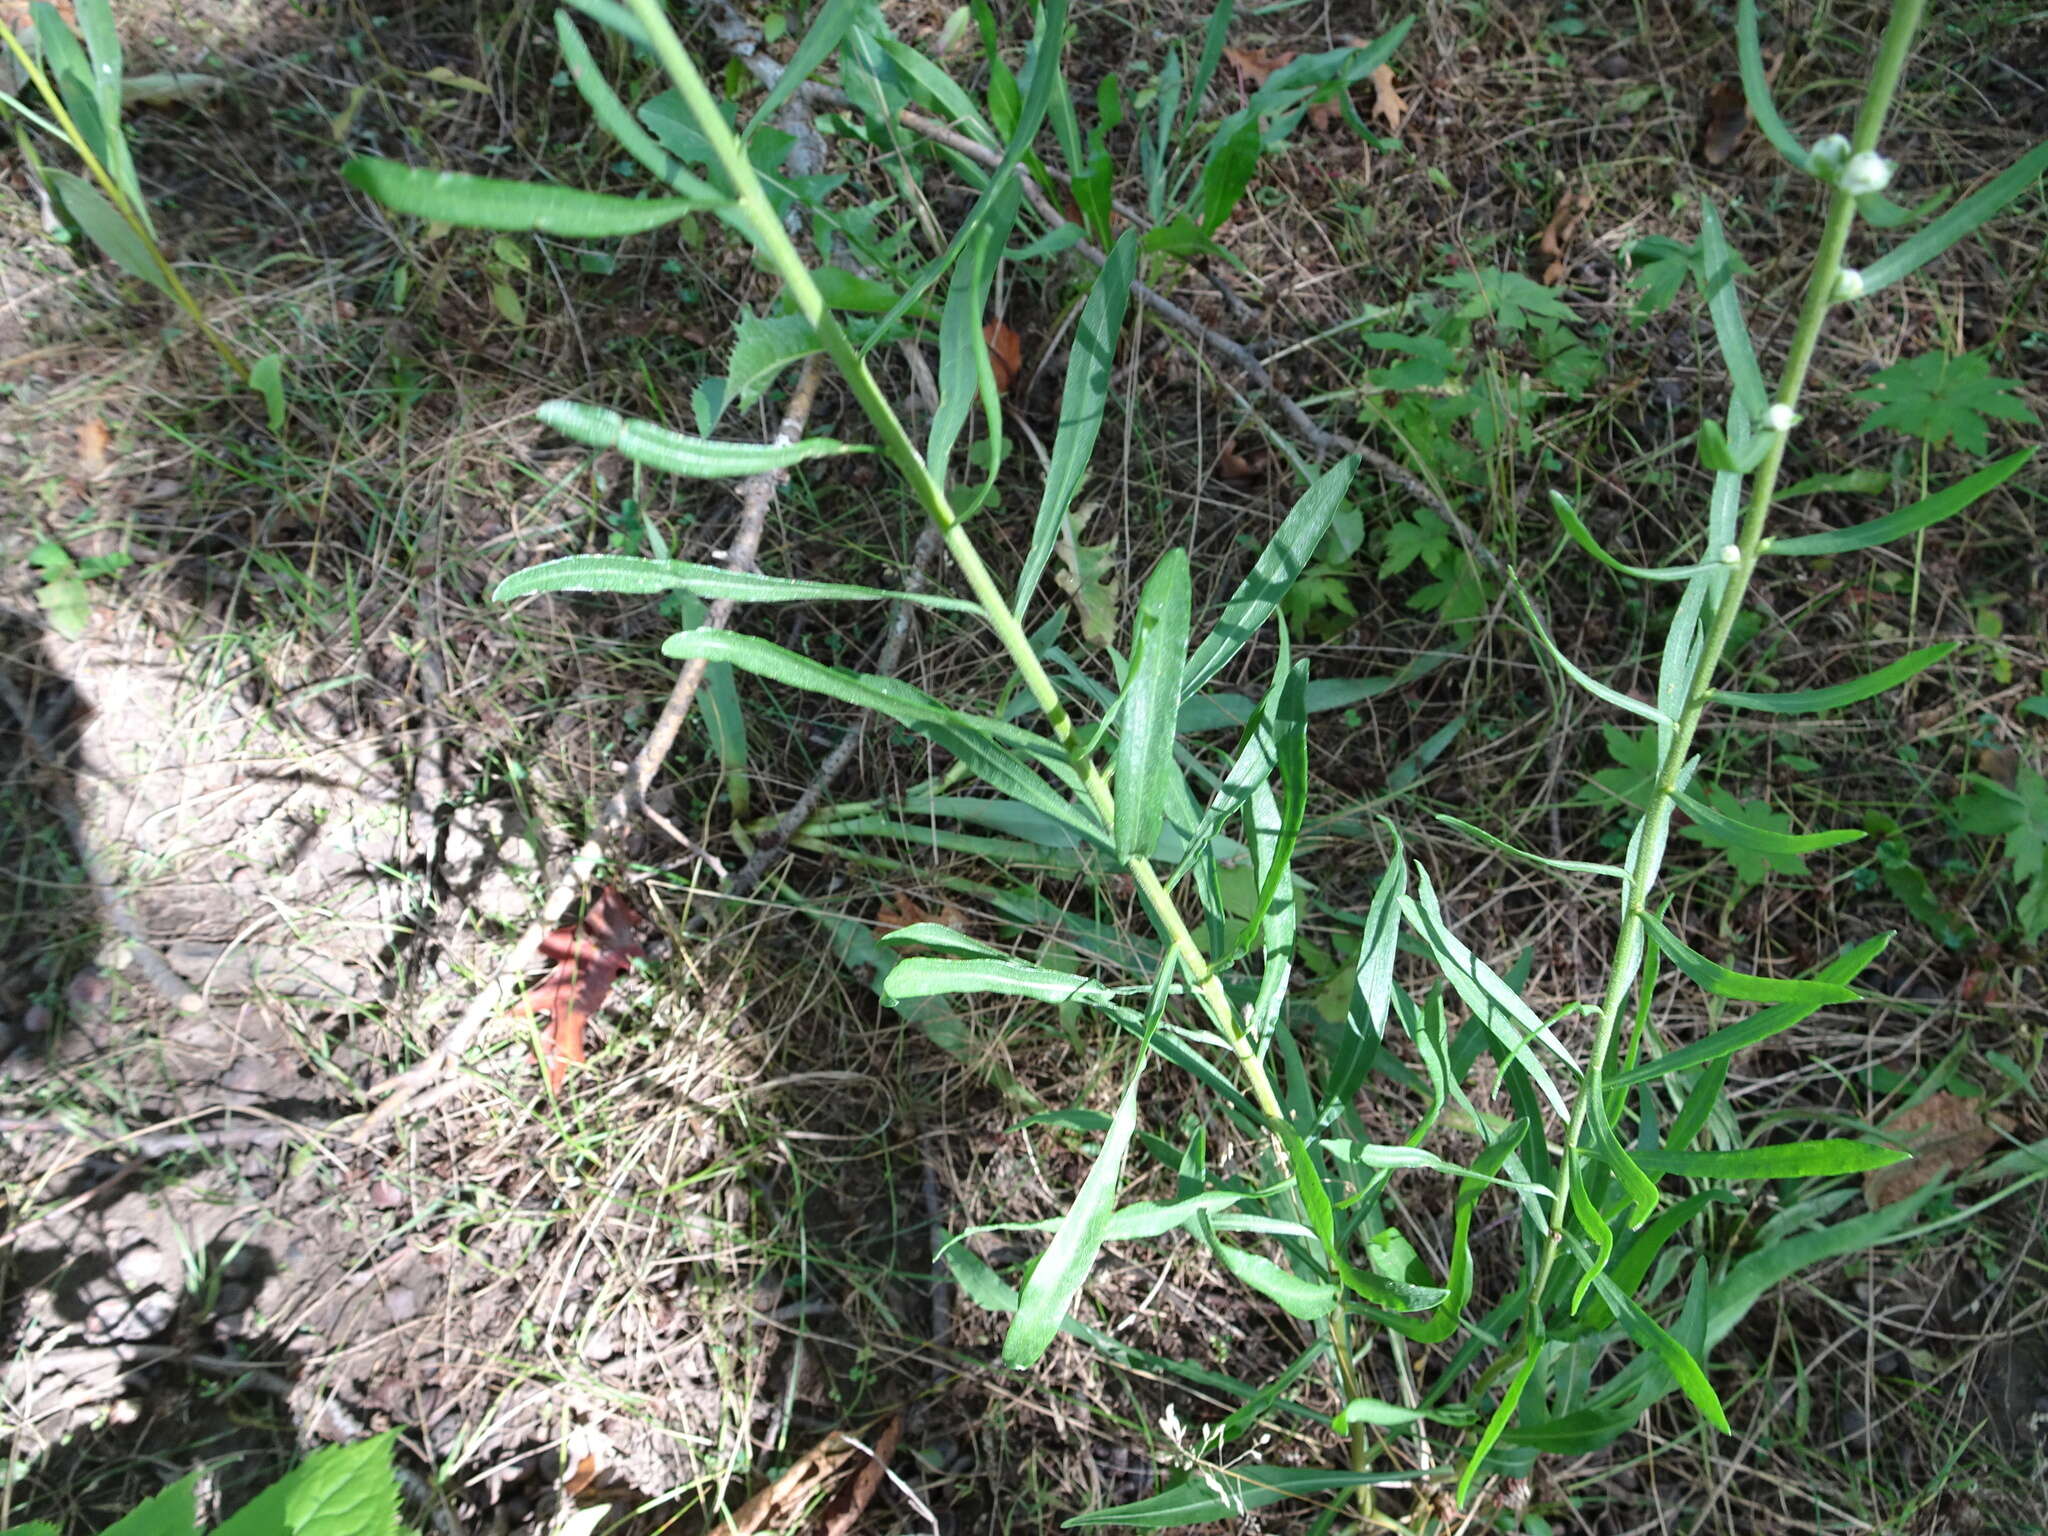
[122, 205]
[1647, 862]
[774, 244]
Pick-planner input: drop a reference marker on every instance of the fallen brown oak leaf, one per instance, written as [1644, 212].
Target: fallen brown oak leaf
[1388, 104]
[1556, 237]
[1945, 1134]
[782, 1501]
[843, 1510]
[586, 965]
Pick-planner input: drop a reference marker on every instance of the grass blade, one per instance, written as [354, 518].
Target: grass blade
[1151, 706]
[1812, 701]
[1792, 1160]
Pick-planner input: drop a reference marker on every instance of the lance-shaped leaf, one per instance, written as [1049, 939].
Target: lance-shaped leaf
[1151, 707]
[1812, 701]
[1922, 514]
[659, 447]
[1972, 213]
[1723, 982]
[485, 202]
[637, 576]
[939, 976]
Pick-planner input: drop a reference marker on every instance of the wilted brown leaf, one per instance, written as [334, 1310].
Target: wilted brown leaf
[1388, 105]
[1242, 469]
[1088, 574]
[1727, 121]
[784, 1499]
[1556, 237]
[1945, 1134]
[93, 438]
[1255, 65]
[1005, 354]
[843, 1510]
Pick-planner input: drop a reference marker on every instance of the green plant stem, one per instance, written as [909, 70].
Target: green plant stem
[1647, 863]
[121, 205]
[773, 241]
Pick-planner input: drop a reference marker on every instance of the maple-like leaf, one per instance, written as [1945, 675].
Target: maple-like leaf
[1935, 397]
[1510, 300]
[1751, 866]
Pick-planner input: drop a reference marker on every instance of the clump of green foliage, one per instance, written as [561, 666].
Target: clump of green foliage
[1604, 1155]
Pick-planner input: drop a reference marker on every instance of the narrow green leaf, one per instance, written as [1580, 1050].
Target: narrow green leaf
[1250, 1486]
[659, 447]
[989, 748]
[1569, 866]
[485, 202]
[936, 936]
[1793, 1160]
[939, 976]
[1742, 834]
[762, 346]
[1972, 213]
[965, 373]
[1292, 546]
[1812, 701]
[1729, 1039]
[1372, 983]
[1385, 1415]
[1592, 1223]
[830, 26]
[1583, 537]
[105, 228]
[1721, 456]
[1756, 88]
[1317, 1208]
[612, 116]
[1577, 674]
[638, 576]
[1294, 1294]
[1143, 1219]
[1922, 514]
[1493, 1002]
[1151, 706]
[1723, 982]
[1724, 304]
[103, 47]
[1063, 1269]
[1090, 363]
[1677, 1359]
[1503, 1415]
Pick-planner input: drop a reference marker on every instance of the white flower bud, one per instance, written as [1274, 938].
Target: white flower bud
[1830, 155]
[1731, 554]
[1848, 285]
[1866, 173]
[1780, 418]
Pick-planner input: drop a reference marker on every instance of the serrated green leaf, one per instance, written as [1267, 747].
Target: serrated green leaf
[1936, 398]
[485, 202]
[1922, 514]
[761, 349]
[174, 1512]
[1812, 701]
[1151, 706]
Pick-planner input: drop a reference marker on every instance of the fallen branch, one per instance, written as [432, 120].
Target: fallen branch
[430, 1081]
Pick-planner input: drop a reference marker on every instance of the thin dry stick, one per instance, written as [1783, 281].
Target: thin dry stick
[114, 910]
[739, 37]
[429, 1082]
